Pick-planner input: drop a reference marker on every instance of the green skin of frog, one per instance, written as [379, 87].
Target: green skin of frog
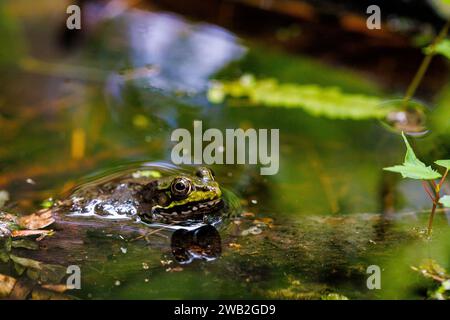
[169, 200]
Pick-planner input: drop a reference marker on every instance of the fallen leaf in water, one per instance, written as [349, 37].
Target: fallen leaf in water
[6, 285]
[40, 271]
[38, 220]
[27, 263]
[25, 244]
[27, 233]
[60, 288]
[19, 269]
[4, 256]
[22, 289]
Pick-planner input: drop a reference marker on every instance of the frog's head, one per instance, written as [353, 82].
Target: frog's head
[181, 197]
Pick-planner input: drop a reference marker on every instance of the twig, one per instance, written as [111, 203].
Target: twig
[427, 190]
[430, 221]
[424, 66]
[442, 180]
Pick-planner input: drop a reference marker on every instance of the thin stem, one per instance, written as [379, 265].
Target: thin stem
[439, 186]
[424, 66]
[430, 220]
[427, 190]
[433, 183]
[417, 79]
[433, 209]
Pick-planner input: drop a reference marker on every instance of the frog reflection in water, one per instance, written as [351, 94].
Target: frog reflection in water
[174, 200]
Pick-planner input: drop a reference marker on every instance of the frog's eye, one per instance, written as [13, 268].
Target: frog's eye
[181, 187]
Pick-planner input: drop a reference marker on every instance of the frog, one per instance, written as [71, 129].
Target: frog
[178, 212]
[171, 200]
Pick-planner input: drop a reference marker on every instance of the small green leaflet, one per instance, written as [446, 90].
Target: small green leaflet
[412, 167]
[445, 200]
[443, 163]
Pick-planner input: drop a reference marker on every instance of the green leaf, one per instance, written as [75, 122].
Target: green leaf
[445, 200]
[412, 167]
[328, 102]
[443, 48]
[410, 157]
[443, 163]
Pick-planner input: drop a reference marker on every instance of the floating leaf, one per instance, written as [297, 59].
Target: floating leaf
[445, 200]
[329, 102]
[36, 270]
[26, 244]
[443, 163]
[412, 167]
[60, 288]
[27, 263]
[28, 233]
[37, 220]
[4, 256]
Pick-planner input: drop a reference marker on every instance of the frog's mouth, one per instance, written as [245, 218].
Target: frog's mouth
[191, 210]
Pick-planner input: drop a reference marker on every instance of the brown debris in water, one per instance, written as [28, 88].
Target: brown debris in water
[38, 220]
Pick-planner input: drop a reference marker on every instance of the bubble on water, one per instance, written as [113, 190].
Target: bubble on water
[411, 118]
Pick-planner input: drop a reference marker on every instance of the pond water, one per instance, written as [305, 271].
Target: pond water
[112, 102]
